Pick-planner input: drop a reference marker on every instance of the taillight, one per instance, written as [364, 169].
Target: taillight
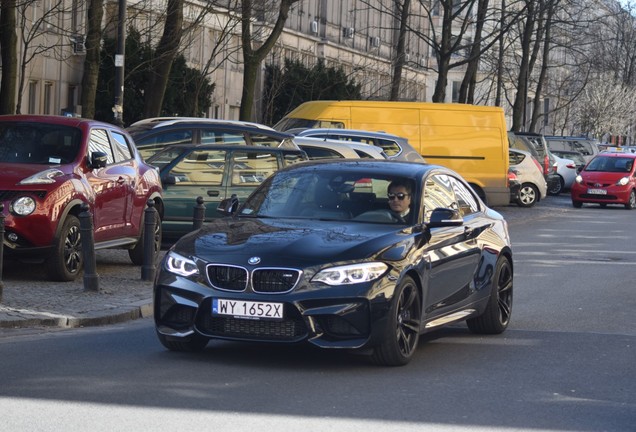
[546, 165]
[571, 166]
[539, 166]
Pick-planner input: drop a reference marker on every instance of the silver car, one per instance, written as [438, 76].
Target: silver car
[396, 147]
[533, 185]
[320, 148]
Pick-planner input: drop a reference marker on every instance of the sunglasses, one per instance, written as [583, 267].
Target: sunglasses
[398, 195]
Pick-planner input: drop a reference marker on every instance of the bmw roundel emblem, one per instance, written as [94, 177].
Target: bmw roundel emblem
[254, 260]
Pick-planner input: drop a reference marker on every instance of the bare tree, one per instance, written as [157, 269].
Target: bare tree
[95, 12]
[41, 36]
[9, 55]
[403, 11]
[253, 57]
[165, 54]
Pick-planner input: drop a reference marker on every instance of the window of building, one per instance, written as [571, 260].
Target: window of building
[48, 97]
[33, 93]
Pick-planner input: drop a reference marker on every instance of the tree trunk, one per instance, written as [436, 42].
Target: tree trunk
[92, 59]
[519, 105]
[252, 59]
[403, 11]
[544, 66]
[9, 55]
[467, 88]
[164, 56]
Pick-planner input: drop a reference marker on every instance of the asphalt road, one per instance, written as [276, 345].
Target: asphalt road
[566, 363]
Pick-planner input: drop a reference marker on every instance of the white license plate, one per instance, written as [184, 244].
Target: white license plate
[597, 191]
[247, 309]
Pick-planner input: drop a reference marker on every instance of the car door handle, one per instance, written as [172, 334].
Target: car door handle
[468, 231]
[213, 193]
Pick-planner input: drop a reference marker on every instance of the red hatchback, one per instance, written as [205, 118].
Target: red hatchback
[49, 167]
[606, 179]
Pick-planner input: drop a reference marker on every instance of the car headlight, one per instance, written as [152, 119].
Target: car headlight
[23, 206]
[623, 181]
[43, 177]
[578, 179]
[180, 265]
[351, 274]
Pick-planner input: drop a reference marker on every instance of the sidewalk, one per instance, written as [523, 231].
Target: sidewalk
[30, 300]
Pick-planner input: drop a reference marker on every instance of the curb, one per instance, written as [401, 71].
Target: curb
[26, 318]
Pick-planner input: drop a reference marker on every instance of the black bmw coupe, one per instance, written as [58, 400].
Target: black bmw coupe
[351, 254]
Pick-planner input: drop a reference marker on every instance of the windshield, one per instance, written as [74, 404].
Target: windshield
[38, 143]
[611, 164]
[324, 195]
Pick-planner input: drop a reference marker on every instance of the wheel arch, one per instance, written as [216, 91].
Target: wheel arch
[72, 208]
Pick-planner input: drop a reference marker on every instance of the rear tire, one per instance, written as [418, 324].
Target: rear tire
[402, 331]
[557, 188]
[528, 195]
[66, 260]
[192, 343]
[136, 254]
[496, 316]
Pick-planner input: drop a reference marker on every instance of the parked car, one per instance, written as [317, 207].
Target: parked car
[530, 175]
[213, 172]
[321, 148]
[537, 146]
[606, 179]
[587, 147]
[567, 171]
[315, 255]
[51, 166]
[394, 146]
[153, 134]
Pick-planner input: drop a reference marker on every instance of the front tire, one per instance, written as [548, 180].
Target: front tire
[495, 318]
[528, 195]
[66, 260]
[632, 201]
[402, 331]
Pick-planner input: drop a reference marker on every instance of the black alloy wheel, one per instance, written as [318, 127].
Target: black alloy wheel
[66, 260]
[497, 315]
[402, 333]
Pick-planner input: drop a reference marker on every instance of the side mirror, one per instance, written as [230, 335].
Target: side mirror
[169, 180]
[228, 206]
[443, 217]
[98, 160]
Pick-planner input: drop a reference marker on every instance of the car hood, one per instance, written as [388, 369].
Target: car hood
[14, 173]
[602, 176]
[292, 242]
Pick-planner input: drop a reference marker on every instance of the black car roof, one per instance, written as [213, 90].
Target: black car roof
[378, 166]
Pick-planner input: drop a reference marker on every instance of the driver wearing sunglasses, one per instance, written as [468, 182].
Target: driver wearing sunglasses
[399, 194]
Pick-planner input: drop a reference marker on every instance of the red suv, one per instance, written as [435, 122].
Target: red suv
[49, 167]
[609, 178]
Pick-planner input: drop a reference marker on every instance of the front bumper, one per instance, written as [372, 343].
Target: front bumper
[613, 194]
[329, 317]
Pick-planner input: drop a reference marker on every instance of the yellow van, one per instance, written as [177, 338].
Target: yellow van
[469, 139]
